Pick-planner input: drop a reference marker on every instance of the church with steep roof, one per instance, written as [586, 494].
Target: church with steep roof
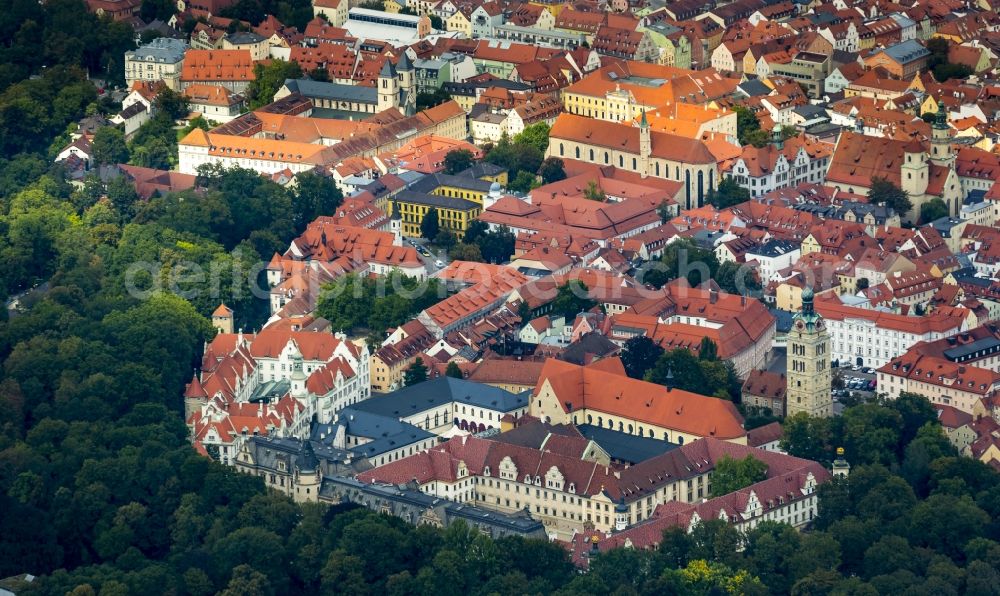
[925, 169]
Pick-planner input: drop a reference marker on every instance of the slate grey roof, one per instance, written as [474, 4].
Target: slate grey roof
[593, 344]
[378, 418]
[985, 345]
[841, 57]
[439, 201]
[268, 451]
[967, 275]
[133, 110]
[483, 168]
[903, 20]
[774, 248]
[754, 88]
[907, 51]
[464, 88]
[385, 433]
[429, 63]
[433, 181]
[332, 91]
[271, 390]
[409, 177]
[945, 225]
[625, 447]
[810, 111]
[880, 212]
[822, 18]
[404, 63]
[409, 502]
[782, 320]
[244, 37]
[440, 391]
[164, 50]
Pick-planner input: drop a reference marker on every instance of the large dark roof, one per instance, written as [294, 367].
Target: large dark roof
[440, 391]
[592, 343]
[625, 447]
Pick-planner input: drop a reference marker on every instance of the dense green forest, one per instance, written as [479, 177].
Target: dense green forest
[100, 492]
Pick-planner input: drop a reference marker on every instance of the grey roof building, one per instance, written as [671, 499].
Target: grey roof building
[438, 392]
[159, 60]
[408, 503]
[313, 90]
[907, 51]
[405, 421]
[282, 456]
[433, 181]
[623, 447]
[240, 38]
[313, 471]
[482, 169]
[164, 50]
[436, 201]
[774, 248]
[590, 346]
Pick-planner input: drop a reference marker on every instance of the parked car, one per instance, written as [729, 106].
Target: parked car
[872, 385]
[856, 368]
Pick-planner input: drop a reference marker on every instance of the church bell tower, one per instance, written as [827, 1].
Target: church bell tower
[808, 374]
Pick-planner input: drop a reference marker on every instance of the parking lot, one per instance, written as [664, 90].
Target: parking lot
[856, 383]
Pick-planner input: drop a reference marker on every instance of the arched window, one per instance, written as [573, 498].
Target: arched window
[621, 161]
[630, 429]
[591, 155]
[701, 187]
[561, 149]
[607, 157]
[578, 153]
[657, 168]
[687, 189]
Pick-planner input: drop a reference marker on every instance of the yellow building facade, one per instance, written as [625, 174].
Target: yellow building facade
[454, 214]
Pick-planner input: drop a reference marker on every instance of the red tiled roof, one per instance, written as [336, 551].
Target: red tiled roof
[578, 387]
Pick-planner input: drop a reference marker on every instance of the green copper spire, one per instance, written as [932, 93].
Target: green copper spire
[941, 118]
[807, 300]
[643, 123]
[808, 313]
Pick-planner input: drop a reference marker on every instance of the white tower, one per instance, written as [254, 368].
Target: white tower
[388, 88]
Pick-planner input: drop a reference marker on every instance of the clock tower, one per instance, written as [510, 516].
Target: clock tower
[808, 374]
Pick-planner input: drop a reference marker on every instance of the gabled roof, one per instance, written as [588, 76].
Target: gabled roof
[579, 387]
[624, 137]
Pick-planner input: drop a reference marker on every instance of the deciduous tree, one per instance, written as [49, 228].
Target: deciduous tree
[429, 225]
[457, 160]
[730, 475]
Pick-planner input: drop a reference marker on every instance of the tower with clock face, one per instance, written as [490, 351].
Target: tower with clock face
[808, 374]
